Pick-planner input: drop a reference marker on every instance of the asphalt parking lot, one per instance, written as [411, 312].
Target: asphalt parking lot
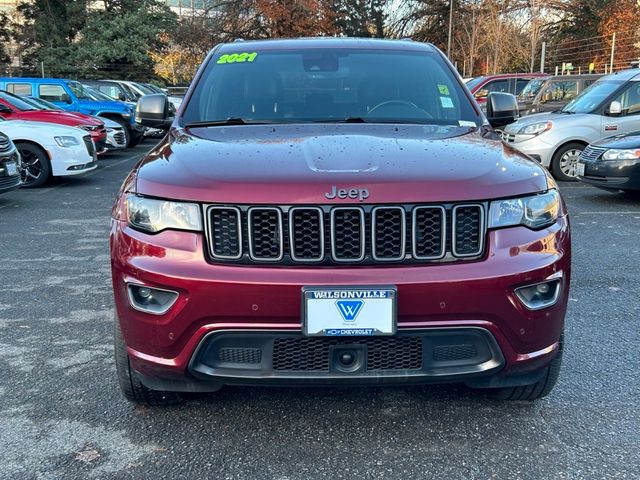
[62, 416]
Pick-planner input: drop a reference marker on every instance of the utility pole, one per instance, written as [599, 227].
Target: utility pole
[542, 55]
[450, 28]
[613, 51]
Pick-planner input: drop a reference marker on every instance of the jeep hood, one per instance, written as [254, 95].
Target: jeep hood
[297, 164]
[105, 106]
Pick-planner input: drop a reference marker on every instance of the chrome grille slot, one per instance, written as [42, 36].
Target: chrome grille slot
[468, 230]
[388, 233]
[89, 144]
[225, 237]
[429, 225]
[592, 153]
[306, 234]
[347, 234]
[265, 231]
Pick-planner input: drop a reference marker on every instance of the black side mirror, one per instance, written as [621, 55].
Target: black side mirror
[502, 109]
[121, 97]
[5, 109]
[153, 111]
[65, 98]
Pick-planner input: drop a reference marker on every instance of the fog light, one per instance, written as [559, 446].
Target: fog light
[151, 300]
[539, 295]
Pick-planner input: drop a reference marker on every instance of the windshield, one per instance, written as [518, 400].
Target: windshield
[43, 104]
[330, 85]
[97, 94]
[17, 102]
[532, 88]
[145, 90]
[591, 98]
[78, 91]
[474, 82]
[153, 88]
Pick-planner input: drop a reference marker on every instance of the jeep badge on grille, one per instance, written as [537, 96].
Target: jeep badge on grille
[360, 193]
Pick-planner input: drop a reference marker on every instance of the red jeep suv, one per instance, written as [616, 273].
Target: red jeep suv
[336, 212]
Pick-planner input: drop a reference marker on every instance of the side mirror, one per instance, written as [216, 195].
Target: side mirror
[65, 98]
[615, 108]
[502, 109]
[121, 97]
[153, 111]
[5, 109]
[482, 93]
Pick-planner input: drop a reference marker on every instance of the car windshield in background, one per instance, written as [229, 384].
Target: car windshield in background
[474, 82]
[44, 104]
[592, 97]
[532, 88]
[144, 89]
[78, 91]
[97, 95]
[17, 102]
[329, 85]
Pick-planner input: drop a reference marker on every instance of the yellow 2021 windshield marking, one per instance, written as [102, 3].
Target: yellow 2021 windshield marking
[238, 57]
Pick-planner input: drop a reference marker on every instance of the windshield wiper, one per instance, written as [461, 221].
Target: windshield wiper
[228, 121]
[341, 120]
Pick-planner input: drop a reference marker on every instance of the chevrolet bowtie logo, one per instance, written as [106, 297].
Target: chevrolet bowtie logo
[349, 309]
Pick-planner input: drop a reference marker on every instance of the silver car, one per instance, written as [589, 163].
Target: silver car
[610, 106]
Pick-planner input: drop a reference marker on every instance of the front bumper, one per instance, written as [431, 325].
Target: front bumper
[74, 160]
[534, 146]
[223, 303]
[611, 174]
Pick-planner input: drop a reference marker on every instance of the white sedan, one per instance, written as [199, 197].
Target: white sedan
[50, 150]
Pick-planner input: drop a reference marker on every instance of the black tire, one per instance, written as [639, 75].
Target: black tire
[565, 162]
[36, 167]
[130, 385]
[537, 390]
[135, 140]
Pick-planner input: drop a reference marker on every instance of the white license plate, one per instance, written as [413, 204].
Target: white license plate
[12, 169]
[349, 311]
[580, 170]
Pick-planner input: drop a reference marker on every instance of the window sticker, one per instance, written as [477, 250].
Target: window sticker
[237, 57]
[443, 89]
[446, 102]
[465, 123]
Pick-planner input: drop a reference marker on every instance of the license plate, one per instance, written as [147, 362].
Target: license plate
[12, 169]
[349, 311]
[580, 170]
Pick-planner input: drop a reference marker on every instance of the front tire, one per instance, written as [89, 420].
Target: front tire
[36, 167]
[130, 385]
[564, 164]
[537, 390]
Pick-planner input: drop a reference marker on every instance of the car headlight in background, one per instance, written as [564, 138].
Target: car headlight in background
[65, 141]
[536, 128]
[152, 216]
[89, 128]
[615, 154]
[535, 212]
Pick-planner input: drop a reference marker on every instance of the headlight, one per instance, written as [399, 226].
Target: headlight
[621, 154]
[65, 141]
[535, 212]
[153, 216]
[536, 128]
[88, 128]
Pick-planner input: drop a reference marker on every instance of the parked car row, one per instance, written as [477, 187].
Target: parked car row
[55, 127]
[560, 116]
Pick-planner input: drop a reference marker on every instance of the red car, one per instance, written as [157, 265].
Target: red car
[336, 212]
[512, 83]
[13, 107]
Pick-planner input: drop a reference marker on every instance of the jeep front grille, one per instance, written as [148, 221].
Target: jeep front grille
[334, 235]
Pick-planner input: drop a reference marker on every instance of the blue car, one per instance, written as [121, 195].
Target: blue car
[70, 96]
